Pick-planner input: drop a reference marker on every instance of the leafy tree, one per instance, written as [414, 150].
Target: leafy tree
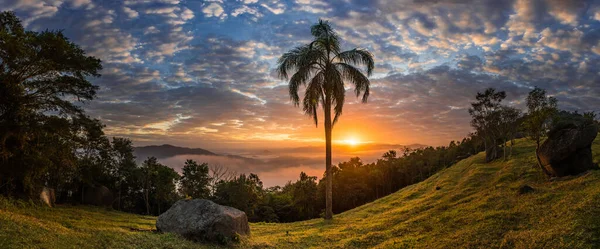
[510, 119]
[124, 171]
[94, 157]
[304, 196]
[165, 188]
[195, 180]
[149, 172]
[158, 184]
[41, 73]
[540, 110]
[322, 68]
[242, 192]
[486, 119]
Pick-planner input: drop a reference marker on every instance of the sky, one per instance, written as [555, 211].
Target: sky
[201, 73]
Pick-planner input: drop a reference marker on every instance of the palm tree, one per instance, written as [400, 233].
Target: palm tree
[322, 69]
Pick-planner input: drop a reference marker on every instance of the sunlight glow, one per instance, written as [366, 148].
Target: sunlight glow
[351, 141]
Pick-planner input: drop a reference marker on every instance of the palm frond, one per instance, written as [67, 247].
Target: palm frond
[299, 78]
[338, 98]
[325, 38]
[354, 75]
[312, 96]
[327, 44]
[321, 29]
[329, 68]
[297, 58]
[358, 57]
[334, 86]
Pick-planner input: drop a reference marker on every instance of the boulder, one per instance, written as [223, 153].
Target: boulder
[47, 196]
[98, 196]
[203, 220]
[568, 149]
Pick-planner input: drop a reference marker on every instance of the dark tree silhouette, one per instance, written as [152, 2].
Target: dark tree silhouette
[509, 121]
[540, 110]
[41, 74]
[322, 68]
[486, 120]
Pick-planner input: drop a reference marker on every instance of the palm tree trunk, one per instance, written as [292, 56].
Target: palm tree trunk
[329, 175]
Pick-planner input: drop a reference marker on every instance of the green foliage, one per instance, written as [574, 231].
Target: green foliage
[159, 190]
[356, 183]
[125, 174]
[323, 69]
[477, 206]
[242, 192]
[195, 180]
[540, 111]
[41, 128]
[492, 121]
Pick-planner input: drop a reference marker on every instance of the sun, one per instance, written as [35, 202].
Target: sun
[352, 141]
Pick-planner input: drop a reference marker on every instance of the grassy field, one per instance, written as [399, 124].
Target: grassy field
[477, 206]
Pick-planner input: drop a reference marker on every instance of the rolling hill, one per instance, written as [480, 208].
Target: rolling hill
[167, 150]
[469, 205]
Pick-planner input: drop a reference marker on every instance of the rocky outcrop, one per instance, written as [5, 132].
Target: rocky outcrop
[568, 149]
[98, 196]
[47, 196]
[203, 220]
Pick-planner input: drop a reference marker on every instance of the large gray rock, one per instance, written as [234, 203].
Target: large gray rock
[568, 149]
[98, 196]
[47, 196]
[203, 220]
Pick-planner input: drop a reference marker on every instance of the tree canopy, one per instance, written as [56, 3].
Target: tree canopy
[43, 75]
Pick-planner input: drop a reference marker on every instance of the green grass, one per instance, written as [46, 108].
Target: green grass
[477, 207]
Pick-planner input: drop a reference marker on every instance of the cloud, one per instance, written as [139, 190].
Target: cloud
[130, 12]
[201, 74]
[214, 10]
[274, 6]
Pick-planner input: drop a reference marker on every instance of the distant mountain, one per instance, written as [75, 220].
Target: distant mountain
[167, 150]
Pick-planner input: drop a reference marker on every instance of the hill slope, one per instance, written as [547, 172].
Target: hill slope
[167, 150]
[477, 206]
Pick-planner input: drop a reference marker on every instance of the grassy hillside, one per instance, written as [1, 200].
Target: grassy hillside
[477, 206]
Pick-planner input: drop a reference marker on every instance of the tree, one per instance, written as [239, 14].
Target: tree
[540, 110]
[124, 169]
[322, 68]
[158, 185]
[304, 194]
[195, 180]
[149, 172]
[42, 75]
[218, 173]
[486, 120]
[509, 123]
[164, 185]
[242, 192]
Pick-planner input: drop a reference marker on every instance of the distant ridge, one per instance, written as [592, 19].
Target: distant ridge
[167, 150]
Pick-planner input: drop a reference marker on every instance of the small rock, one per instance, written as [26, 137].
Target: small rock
[525, 189]
[98, 196]
[48, 196]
